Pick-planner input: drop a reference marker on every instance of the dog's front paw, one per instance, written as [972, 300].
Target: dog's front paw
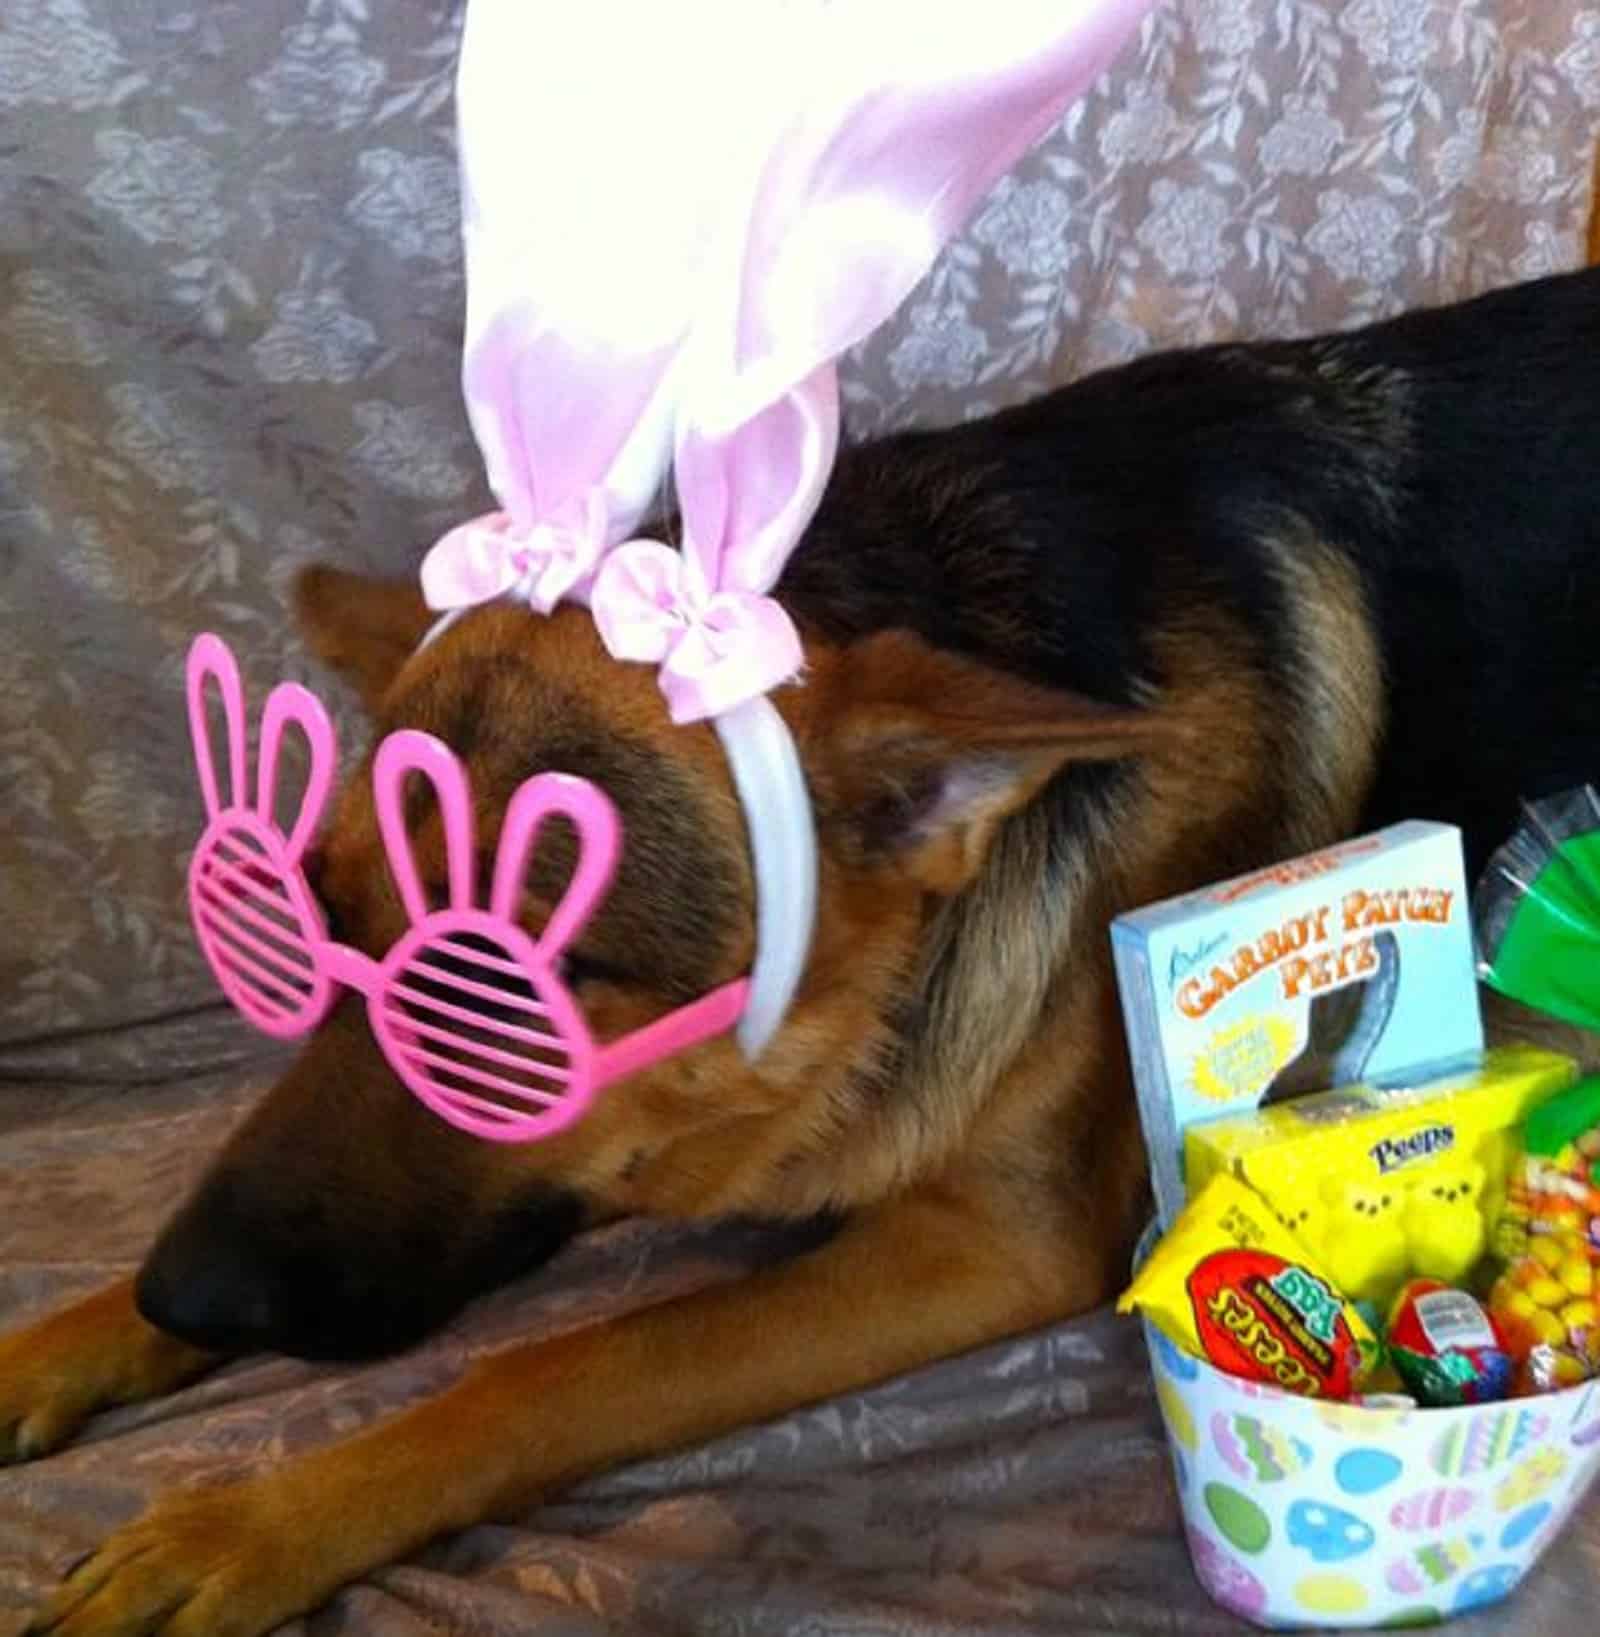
[45, 1396]
[58, 1372]
[223, 1562]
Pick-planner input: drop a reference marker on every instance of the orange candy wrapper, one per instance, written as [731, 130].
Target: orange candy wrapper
[1229, 1283]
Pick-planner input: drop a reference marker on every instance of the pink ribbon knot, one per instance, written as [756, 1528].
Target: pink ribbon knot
[715, 649]
[540, 563]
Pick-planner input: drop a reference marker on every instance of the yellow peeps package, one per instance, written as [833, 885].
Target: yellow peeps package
[1386, 1186]
[1228, 1282]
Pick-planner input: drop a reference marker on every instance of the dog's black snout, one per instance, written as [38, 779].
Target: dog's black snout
[222, 1295]
[220, 1276]
[239, 1270]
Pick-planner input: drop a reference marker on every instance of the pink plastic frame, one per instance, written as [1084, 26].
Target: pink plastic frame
[438, 1005]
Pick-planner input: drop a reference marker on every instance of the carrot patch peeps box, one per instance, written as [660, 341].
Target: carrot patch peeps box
[1350, 965]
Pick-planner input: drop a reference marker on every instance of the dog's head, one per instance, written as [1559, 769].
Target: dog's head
[344, 1218]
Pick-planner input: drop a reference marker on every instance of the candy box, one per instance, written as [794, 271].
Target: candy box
[1300, 1512]
[1384, 1186]
[1353, 964]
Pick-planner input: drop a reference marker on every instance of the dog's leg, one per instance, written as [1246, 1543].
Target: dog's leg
[930, 1275]
[55, 1374]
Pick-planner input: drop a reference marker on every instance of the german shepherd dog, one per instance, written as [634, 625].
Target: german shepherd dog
[1175, 621]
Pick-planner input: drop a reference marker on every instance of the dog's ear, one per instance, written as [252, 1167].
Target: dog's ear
[365, 629]
[919, 754]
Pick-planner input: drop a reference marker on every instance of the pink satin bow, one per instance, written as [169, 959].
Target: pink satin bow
[715, 649]
[703, 614]
[542, 563]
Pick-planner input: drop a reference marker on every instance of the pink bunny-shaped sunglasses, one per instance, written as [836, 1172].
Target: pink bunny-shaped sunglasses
[470, 1011]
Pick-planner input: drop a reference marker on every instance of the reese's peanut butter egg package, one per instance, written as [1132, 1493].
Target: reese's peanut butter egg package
[1229, 1283]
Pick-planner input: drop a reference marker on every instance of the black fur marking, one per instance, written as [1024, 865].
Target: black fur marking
[1453, 455]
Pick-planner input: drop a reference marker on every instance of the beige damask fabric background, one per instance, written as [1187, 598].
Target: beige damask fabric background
[229, 308]
[229, 324]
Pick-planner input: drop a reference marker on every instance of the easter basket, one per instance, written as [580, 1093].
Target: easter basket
[1301, 1512]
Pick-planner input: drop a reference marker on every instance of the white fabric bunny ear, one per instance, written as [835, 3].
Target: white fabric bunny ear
[879, 129]
[588, 186]
[676, 218]
[892, 121]
[678, 213]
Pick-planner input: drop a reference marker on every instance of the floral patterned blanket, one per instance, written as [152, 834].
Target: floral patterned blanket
[230, 306]
[1020, 1491]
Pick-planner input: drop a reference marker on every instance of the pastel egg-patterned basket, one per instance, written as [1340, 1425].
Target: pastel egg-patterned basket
[1305, 1513]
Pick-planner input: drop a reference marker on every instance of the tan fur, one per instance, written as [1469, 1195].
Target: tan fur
[96, 1353]
[1341, 687]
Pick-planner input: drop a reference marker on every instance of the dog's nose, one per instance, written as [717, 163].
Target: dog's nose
[238, 1293]
[242, 1270]
[235, 1273]
[218, 1295]
[217, 1276]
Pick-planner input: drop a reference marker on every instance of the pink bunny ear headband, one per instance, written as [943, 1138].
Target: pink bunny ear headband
[660, 278]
